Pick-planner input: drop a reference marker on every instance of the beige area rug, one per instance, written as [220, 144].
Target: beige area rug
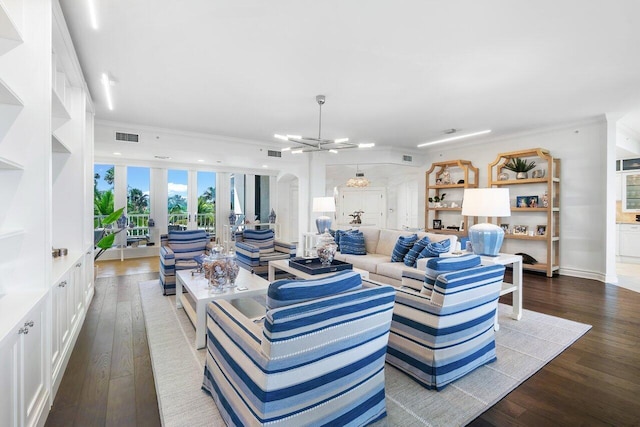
[523, 347]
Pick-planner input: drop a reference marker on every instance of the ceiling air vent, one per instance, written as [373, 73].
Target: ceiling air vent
[127, 137]
[406, 158]
[274, 153]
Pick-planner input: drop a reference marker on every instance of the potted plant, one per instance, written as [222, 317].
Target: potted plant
[437, 199]
[106, 240]
[520, 166]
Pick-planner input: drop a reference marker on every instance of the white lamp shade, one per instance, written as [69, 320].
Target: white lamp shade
[487, 202]
[324, 204]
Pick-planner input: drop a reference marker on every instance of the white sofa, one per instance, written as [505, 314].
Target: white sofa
[379, 244]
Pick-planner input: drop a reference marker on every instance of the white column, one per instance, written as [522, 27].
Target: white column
[250, 197]
[223, 202]
[159, 193]
[119, 186]
[610, 200]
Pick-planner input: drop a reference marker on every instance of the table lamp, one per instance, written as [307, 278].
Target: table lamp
[322, 205]
[486, 239]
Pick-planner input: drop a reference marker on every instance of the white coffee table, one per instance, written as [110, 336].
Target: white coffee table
[283, 265]
[515, 287]
[195, 300]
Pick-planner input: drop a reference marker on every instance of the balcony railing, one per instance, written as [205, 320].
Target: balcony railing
[180, 221]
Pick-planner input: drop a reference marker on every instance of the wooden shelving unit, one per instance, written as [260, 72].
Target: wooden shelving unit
[538, 246]
[436, 185]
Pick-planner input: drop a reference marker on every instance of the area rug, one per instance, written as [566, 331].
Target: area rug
[523, 348]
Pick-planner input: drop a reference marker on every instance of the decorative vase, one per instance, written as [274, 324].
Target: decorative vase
[232, 218]
[272, 217]
[326, 249]
[232, 269]
[522, 175]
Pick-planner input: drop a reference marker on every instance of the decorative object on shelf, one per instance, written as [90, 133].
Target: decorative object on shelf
[322, 205]
[272, 217]
[538, 173]
[359, 181]
[505, 228]
[527, 259]
[437, 200]
[357, 217]
[446, 176]
[526, 201]
[541, 230]
[437, 224]
[503, 176]
[520, 166]
[106, 240]
[232, 269]
[151, 222]
[545, 200]
[486, 238]
[520, 230]
[461, 181]
[454, 205]
[309, 143]
[232, 218]
[326, 248]
[461, 225]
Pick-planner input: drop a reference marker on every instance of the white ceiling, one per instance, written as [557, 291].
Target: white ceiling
[396, 73]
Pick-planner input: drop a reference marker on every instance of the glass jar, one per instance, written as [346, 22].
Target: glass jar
[217, 273]
[232, 269]
[326, 249]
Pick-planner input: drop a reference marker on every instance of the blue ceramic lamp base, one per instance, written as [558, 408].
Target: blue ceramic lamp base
[323, 223]
[486, 239]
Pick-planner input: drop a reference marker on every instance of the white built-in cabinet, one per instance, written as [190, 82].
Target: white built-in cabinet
[46, 158]
[371, 200]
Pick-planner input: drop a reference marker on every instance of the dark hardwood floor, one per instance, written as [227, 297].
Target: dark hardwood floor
[596, 381]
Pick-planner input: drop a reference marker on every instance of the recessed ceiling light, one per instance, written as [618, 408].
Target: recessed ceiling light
[117, 154]
[296, 151]
[265, 166]
[162, 157]
[366, 145]
[286, 149]
[200, 160]
[454, 138]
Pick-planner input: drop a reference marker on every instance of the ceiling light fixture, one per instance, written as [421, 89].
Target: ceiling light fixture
[366, 145]
[117, 154]
[107, 83]
[454, 138]
[359, 181]
[93, 14]
[318, 144]
[286, 149]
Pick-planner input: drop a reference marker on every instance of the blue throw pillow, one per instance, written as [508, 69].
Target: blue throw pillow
[434, 249]
[352, 243]
[438, 266]
[413, 254]
[286, 292]
[403, 245]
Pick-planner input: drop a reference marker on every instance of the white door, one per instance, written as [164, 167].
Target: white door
[371, 201]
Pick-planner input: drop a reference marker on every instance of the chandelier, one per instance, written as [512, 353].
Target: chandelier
[308, 144]
[359, 181]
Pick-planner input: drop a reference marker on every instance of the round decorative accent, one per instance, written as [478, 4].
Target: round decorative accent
[503, 176]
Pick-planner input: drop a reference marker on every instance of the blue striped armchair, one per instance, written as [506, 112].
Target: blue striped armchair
[177, 252]
[317, 361]
[255, 248]
[446, 329]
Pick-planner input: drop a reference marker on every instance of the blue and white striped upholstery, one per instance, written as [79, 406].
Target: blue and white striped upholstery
[402, 247]
[440, 339]
[434, 249]
[177, 252]
[261, 239]
[287, 292]
[254, 259]
[352, 242]
[438, 266]
[319, 362]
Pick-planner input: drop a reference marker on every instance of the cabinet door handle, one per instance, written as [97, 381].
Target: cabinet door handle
[29, 323]
[23, 331]
[62, 284]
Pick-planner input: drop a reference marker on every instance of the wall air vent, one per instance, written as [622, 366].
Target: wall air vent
[127, 137]
[274, 153]
[406, 158]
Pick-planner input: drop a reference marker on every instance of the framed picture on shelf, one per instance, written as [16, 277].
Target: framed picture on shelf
[526, 202]
[505, 228]
[541, 230]
[437, 224]
[538, 173]
[520, 230]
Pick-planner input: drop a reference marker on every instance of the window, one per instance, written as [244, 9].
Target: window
[206, 216]
[102, 192]
[177, 200]
[138, 201]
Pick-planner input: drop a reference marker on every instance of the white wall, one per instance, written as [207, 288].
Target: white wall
[582, 149]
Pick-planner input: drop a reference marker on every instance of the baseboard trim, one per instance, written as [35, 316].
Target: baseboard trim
[583, 274]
